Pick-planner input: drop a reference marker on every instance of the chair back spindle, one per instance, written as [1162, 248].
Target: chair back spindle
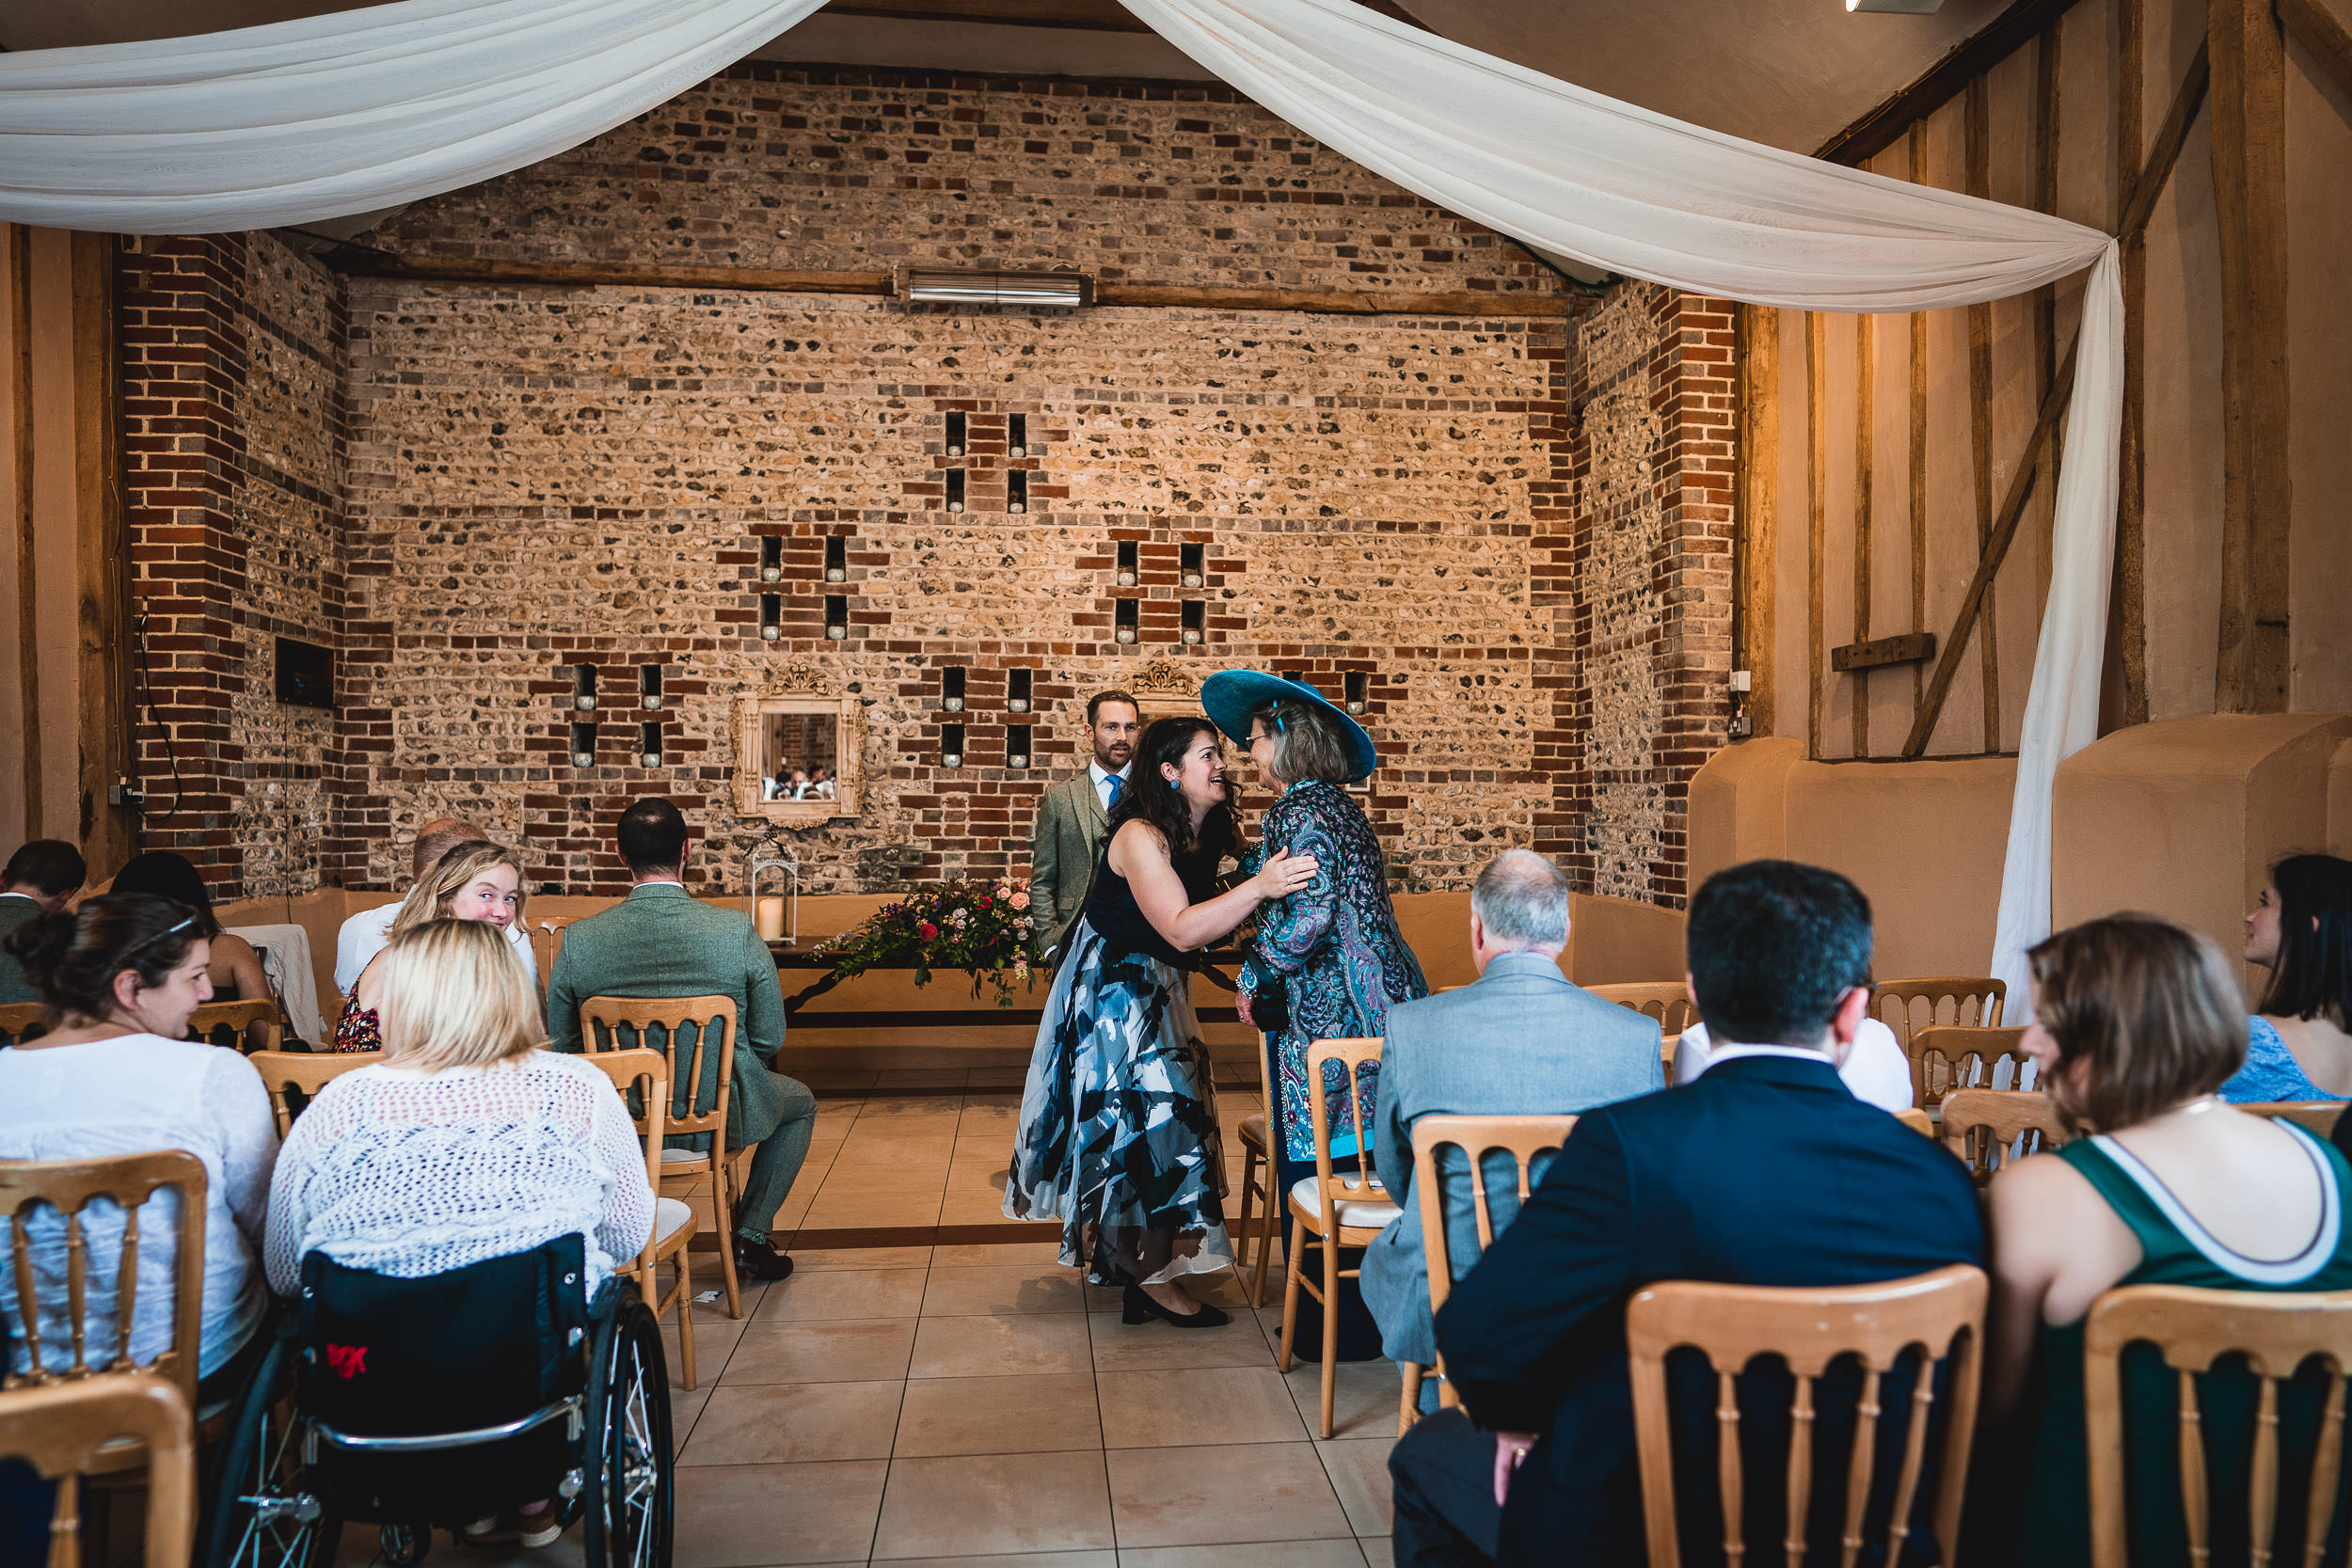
[1937, 1316]
[1963, 1001]
[624, 1022]
[1989, 1128]
[293, 1078]
[1947, 1057]
[224, 1023]
[1475, 1137]
[1351, 1055]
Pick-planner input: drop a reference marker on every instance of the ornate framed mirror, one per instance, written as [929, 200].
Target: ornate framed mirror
[797, 751]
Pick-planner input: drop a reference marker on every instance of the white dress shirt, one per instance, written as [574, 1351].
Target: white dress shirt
[364, 934]
[1101, 778]
[1876, 1070]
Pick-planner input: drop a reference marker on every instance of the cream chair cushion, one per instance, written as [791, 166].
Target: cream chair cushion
[1359, 1214]
[669, 1213]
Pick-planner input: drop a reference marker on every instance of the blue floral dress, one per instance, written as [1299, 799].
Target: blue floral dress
[1334, 943]
[2270, 1072]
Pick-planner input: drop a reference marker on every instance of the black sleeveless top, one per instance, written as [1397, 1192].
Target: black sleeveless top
[1112, 911]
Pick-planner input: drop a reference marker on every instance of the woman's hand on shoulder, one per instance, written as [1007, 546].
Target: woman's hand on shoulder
[1283, 874]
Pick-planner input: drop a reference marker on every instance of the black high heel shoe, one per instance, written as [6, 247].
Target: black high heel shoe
[1137, 1305]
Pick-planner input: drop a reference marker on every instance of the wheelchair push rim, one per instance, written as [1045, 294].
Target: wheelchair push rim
[262, 1513]
[626, 1503]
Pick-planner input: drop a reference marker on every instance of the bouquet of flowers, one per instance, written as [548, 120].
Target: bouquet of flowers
[983, 928]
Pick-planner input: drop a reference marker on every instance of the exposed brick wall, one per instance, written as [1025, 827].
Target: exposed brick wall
[233, 379]
[1648, 601]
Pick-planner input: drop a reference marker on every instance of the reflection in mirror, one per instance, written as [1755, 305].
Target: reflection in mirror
[799, 757]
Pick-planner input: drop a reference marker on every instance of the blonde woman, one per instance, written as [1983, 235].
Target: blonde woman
[468, 1141]
[473, 881]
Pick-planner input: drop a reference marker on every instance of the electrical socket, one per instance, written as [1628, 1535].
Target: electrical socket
[121, 793]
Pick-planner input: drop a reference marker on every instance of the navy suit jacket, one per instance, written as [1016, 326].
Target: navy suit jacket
[1766, 1171]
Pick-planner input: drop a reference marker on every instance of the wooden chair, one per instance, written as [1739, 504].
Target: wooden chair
[1947, 1057]
[1917, 1121]
[602, 1020]
[63, 1429]
[289, 1074]
[1257, 1151]
[1667, 1001]
[648, 1073]
[1475, 1137]
[2191, 1329]
[1940, 1314]
[1988, 1128]
[68, 1186]
[226, 1023]
[1971, 1001]
[2316, 1116]
[17, 1018]
[1335, 1211]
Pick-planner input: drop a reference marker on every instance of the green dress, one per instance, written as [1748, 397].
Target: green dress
[2052, 1521]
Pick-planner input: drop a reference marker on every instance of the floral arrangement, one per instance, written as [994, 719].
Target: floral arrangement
[983, 928]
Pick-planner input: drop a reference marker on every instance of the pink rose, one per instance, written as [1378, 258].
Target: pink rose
[1019, 900]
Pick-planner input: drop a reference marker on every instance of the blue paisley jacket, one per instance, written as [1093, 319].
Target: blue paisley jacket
[1334, 943]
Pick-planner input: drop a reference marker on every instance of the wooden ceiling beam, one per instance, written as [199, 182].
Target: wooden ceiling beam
[1943, 81]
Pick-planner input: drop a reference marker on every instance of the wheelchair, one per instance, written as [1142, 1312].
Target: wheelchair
[412, 1403]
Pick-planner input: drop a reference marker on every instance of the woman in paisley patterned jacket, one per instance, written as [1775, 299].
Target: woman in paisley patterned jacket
[1333, 948]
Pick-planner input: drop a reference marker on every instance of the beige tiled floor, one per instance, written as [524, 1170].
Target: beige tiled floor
[915, 1405]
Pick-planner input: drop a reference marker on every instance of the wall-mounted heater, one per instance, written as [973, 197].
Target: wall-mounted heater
[1064, 291]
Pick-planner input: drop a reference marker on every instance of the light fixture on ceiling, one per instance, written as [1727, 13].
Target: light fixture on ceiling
[1899, 7]
[1061, 291]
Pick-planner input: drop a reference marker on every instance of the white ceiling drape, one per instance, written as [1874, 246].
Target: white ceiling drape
[360, 110]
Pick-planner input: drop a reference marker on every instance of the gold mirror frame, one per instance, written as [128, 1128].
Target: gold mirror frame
[848, 749]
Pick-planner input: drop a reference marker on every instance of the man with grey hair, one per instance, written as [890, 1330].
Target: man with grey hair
[1522, 1041]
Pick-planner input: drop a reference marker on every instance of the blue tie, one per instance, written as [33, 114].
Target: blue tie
[1116, 784]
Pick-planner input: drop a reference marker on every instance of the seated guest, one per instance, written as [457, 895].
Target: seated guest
[473, 881]
[468, 1142]
[237, 969]
[364, 934]
[2136, 1027]
[1765, 1171]
[40, 877]
[113, 1076]
[1522, 1041]
[661, 941]
[2297, 1047]
[1876, 1070]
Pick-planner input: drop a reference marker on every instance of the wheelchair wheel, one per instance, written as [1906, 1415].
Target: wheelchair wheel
[626, 1503]
[261, 1513]
[404, 1545]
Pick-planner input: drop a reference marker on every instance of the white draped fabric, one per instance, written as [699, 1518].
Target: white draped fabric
[1575, 174]
[346, 112]
[365, 109]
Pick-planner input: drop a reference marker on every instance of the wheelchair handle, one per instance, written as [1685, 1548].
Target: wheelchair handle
[572, 1411]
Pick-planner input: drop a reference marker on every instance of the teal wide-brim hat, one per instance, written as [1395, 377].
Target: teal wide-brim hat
[1230, 696]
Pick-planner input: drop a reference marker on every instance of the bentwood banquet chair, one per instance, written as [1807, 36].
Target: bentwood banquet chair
[683, 1029]
[225, 1023]
[295, 1077]
[1667, 1001]
[17, 1019]
[1947, 1057]
[1909, 1322]
[1967, 1001]
[646, 1076]
[2297, 1421]
[1330, 1209]
[1471, 1138]
[2316, 1116]
[1256, 1181]
[1988, 1128]
[66, 1429]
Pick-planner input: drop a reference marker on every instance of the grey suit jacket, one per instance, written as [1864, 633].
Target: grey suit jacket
[14, 912]
[661, 940]
[1063, 847]
[1522, 1041]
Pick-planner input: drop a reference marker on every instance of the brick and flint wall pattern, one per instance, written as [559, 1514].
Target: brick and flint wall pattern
[232, 397]
[538, 478]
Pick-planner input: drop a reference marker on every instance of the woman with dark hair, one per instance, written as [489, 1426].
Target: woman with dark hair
[113, 1076]
[235, 971]
[1328, 962]
[1117, 1137]
[2136, 1024]
[2296, 1047]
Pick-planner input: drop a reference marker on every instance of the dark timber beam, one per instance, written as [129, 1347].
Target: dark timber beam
[1943, 81]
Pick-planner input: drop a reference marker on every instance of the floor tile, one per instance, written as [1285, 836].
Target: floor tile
[1016, 1560]
[866, 1294]
[1040, 1412]
[1363, 1398]
[969, 1207]
[1238, 1492]
[1359, 1472]
[686, 1405]
[996, 1503]
[1376, 1552]
[988, 1347]
[890, 1175]
[1153, 1346]
[863, 1150]
[862, 1257]
[715, 1334]
[982, 1255]
[1253, 1554]
[997, 1290]
[749, 1516]
[872, 1210]
[831, 1350]
[784, 1423]
[1197, 1406]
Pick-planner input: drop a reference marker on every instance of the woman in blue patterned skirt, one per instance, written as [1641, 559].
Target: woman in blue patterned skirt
[1332, 950]
[1119, 1137]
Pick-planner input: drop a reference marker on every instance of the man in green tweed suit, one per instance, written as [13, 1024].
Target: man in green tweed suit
[661, 941]
[40, 877]
[1073, 817]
